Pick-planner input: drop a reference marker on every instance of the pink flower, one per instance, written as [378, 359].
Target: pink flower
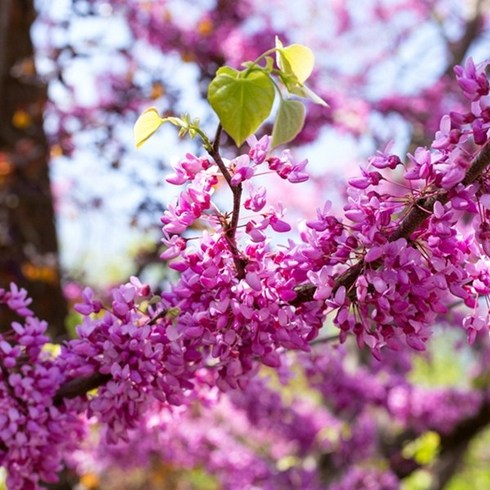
[472, 79]
[383, 159]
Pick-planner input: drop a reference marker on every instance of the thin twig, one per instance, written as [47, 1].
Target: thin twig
[230, 229]
[217, 138]
[325, 340]
[215, 154]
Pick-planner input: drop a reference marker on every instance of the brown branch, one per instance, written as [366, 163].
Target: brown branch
[418, 214]
[230, 229]
[215, 154]
[217, 138]
[80, 386]
[454, 444]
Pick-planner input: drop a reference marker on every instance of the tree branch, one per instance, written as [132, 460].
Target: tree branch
[416, 215]
[231, 227]
[80, 386]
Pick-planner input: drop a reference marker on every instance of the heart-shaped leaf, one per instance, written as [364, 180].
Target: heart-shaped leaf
[242, 100]
[295, 59]
[146, 125]
[289, 121]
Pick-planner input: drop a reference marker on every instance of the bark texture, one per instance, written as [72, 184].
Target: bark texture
[28, 241]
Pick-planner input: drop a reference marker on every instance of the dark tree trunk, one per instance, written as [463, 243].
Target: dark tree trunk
[28, 242]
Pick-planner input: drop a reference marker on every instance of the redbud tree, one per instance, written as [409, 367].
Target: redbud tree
[201, 375]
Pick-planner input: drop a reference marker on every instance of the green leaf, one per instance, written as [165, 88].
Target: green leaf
[289, 121]
[146, 125]
[227, 70]
[295, 59]
[296, 64]
[242, 100]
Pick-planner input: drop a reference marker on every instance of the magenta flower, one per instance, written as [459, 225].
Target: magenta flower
[472, 79]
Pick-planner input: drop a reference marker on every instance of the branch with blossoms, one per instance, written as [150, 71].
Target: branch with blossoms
[386, 271]
[418, 210]
[415, 214]
[438, 191]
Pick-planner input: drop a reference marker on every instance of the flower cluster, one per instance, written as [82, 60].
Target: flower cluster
[133, 349]
[33, 442]
[413, 256]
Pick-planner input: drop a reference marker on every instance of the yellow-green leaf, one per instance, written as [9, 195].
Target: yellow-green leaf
[242, 100]
[146, 125]
[295, 59]
[289, 121]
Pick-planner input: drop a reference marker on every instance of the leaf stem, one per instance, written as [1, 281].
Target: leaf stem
[255, 64]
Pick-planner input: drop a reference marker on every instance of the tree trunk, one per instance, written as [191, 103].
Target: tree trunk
[28, 241]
